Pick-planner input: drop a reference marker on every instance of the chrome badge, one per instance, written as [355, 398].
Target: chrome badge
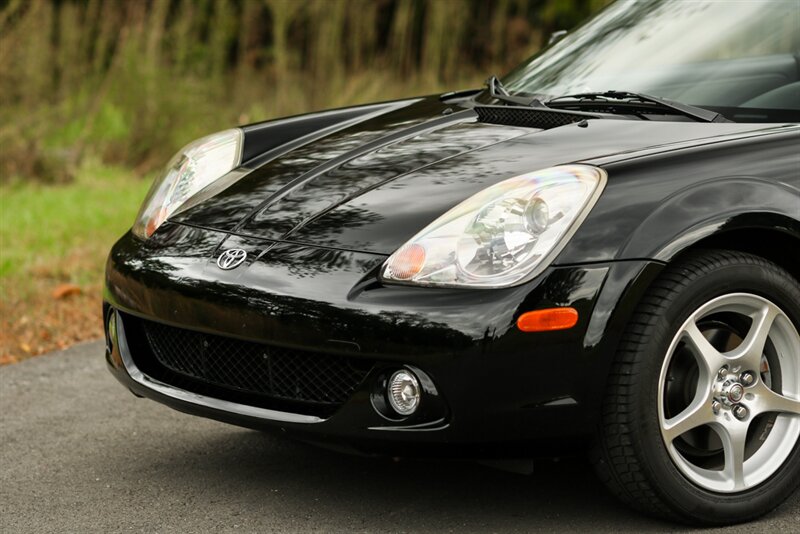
[231, 258]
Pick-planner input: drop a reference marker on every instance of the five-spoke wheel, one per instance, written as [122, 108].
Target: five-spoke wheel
[701, 421]
[729, 395]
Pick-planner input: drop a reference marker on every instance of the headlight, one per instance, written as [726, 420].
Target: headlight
[503, 235]
[197, 165]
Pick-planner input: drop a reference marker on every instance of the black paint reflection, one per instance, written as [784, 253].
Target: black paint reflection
[402, 207]
[305, 296]
[355, 176]
[235, 203]
[373, 186]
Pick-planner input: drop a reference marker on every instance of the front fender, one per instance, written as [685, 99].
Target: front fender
[709, 208]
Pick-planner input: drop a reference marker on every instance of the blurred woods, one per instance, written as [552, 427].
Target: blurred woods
[127, 82]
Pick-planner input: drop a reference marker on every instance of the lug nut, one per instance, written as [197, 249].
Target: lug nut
[740, 412]
[715, 407]
[747, 379]
[723, 373]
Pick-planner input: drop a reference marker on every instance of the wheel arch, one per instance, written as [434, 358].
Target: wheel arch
[741, 213]
[778, 243]
[772, 236]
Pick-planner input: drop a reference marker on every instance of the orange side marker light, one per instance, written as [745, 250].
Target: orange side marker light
[548, 320]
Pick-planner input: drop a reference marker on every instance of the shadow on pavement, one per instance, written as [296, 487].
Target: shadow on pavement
[287, 478]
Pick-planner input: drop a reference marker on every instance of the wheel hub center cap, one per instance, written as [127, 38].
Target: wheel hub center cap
[735, 393]
[730, 392]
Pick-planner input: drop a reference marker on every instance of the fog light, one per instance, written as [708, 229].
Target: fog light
[403, 392]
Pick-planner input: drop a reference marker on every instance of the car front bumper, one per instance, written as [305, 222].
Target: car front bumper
[490, 387]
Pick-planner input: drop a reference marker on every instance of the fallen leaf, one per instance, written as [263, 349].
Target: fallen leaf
[27, 348]
[66, 290]
[7, 359]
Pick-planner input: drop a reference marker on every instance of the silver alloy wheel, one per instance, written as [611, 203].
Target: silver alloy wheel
[735, 387]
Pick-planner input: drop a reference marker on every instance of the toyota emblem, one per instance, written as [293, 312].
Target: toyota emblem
[231, 258]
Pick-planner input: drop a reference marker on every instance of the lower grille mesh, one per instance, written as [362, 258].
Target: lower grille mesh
[254, 368]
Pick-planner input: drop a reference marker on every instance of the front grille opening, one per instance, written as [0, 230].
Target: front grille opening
[529, 117]
[245, 372]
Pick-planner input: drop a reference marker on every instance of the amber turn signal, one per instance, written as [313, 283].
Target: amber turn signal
[548, 320]
[407, 262]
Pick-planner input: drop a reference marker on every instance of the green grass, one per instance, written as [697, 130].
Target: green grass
[64, 231]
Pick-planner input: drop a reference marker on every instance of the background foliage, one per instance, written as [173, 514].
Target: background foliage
[130, 81]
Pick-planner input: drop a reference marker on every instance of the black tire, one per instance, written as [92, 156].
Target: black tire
[630, 455]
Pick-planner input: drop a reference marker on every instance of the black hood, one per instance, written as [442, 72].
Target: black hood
[374, 184]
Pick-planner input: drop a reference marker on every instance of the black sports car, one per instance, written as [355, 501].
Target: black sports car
[598, 252]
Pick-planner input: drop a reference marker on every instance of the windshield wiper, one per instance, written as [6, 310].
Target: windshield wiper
[627, 97]
[499, 92]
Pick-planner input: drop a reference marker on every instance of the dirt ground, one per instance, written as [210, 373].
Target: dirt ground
[48, 317]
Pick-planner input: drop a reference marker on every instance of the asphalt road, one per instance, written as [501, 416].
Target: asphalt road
[78, 453]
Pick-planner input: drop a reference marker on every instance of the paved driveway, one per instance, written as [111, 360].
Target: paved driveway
[78, 453]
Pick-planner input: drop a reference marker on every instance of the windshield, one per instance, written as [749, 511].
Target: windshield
[737, 56]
